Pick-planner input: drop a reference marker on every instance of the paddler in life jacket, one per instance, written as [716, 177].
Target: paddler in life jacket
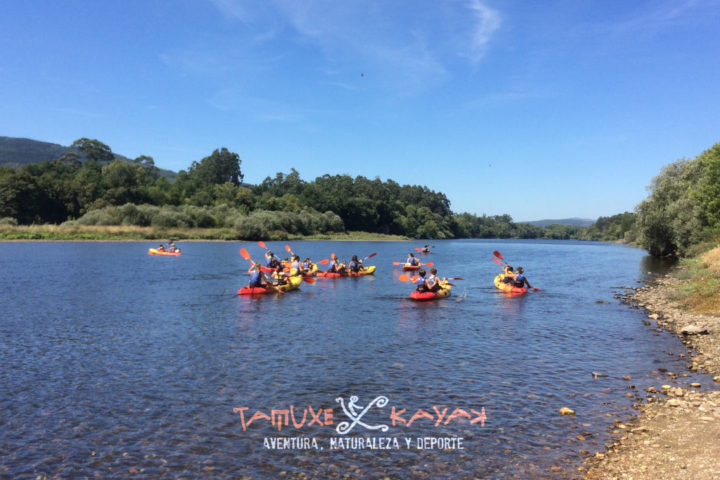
[509, 274]
[342, 268]
[520, 280]
[420, 282]
[271, 260]
[307, 266]
[426, 249]
[171, 247]
[411, 260]
[433, 282]
[161, 248]
[295, 265]
[334, 265]
[257, 277]
[355, 264]
[279, 277]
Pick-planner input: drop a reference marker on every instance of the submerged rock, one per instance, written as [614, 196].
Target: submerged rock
[566, 411]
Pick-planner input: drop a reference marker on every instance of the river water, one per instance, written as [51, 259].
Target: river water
[114, 363]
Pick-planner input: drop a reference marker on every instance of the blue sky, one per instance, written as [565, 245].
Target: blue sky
[536, 109]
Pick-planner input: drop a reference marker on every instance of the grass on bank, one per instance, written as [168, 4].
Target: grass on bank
[700, 289]
[123, 232]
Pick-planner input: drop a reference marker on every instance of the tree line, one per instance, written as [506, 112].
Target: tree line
[99, 189]
[681, 211]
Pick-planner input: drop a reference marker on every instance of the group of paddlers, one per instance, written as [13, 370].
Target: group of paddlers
[171, 248]
[280, 271]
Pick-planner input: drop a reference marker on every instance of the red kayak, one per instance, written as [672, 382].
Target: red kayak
[408, 268]
[426, 296]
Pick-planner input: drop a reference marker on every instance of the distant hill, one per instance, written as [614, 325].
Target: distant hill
[16, 152]
[578, 222]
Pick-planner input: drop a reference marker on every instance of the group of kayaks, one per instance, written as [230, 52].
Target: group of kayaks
[294, 281]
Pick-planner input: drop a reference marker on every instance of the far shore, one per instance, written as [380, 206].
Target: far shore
[119, 233]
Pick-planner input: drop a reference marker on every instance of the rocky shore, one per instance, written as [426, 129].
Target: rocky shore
[677, 434]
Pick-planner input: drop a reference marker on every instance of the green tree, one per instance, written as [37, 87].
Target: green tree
[94, 150]
[220, 167]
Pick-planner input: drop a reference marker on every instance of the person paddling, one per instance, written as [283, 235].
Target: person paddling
[271, 260]
[295, 265]
[520, 280]
[411, 260]
[426, 249]
[257, 277]
[279, 277]
[420, 282]
[433, 282]
[307, 266]
[509, 275]
[355, 264]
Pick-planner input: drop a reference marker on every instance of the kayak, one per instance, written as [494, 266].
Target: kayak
[507, 287]
[364, 271]
[408, 268]
[155, 251]
[445, 289]
[293, 284]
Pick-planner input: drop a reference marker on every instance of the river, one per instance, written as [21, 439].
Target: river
[115, 363]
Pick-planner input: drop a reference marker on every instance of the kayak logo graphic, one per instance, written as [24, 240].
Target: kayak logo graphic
[351, 411]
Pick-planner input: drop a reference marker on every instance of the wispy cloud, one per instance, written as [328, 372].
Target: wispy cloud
[487, 22]
[664, 14]
[399, 41]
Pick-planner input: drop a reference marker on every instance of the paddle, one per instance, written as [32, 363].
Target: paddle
[405, 278]
[324, 261]
[262, 245]
[428, 264]
[244, 253]
[308, 279]
[289, 250]
[499, 255]
[370, 256]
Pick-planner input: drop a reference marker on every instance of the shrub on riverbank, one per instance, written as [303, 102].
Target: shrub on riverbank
[257, 225]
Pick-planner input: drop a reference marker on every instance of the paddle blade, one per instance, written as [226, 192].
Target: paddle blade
[398, 263]
[497, 254]
[497, 261]
[262, 245]
[537, 289]
[429, 264]
[287, 247]
[403, 278]
[332, 255]
[324, 262]
[415, 278]
[309, 279]
[371, 255]
[456, 278]
[245, 254]
[418, 249]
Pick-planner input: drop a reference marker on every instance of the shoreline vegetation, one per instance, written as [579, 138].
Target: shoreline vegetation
[675, 435]
[134, 233]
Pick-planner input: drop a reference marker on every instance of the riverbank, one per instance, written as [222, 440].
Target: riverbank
[677, 434]
[133, 233]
